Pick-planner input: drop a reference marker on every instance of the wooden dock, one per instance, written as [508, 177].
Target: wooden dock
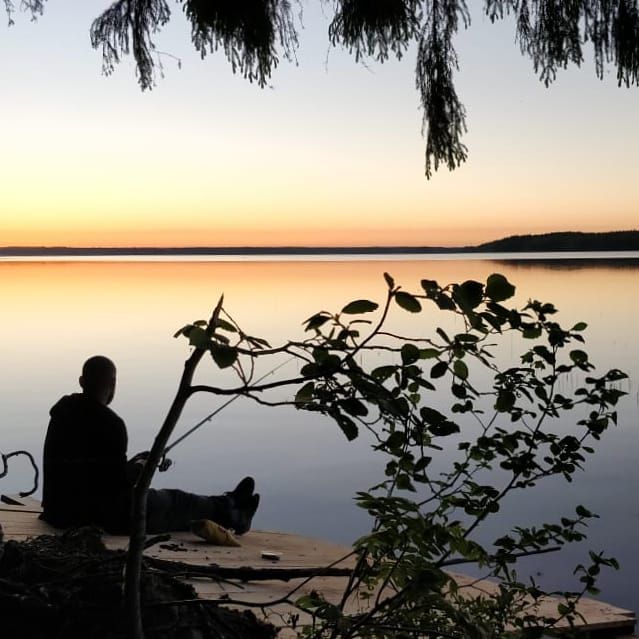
[19, 521]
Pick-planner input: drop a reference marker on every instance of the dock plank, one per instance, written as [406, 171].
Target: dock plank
[20, 504]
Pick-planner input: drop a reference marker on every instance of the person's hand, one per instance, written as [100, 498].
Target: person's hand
[140, 458]
[134, 466]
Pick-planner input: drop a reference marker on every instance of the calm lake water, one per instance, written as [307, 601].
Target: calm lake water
[56, 313]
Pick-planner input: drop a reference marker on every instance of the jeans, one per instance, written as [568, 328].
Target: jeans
[170, 509]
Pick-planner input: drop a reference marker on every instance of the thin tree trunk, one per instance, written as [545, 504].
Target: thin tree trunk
[137, 536]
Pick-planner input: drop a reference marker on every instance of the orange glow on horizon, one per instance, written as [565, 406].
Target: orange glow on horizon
[274, 237]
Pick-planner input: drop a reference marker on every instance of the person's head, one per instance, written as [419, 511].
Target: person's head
[98, 379]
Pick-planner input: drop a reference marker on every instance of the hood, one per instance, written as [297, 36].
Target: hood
[70, 404]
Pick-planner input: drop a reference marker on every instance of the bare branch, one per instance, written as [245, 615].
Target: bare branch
[241, 390]
[29, 456]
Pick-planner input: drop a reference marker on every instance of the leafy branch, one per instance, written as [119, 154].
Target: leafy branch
[430, 395]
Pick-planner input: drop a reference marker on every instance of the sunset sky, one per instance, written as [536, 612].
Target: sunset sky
[329, 154]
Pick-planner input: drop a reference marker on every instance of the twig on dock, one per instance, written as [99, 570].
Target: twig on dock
[244, 573]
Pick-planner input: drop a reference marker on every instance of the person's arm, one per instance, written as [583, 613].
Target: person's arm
[134, 466]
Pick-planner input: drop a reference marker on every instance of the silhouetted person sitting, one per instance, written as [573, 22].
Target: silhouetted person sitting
[87, 479]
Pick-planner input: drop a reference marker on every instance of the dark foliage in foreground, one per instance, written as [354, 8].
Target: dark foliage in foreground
[256, 34]
[70, 586]
[462, 430]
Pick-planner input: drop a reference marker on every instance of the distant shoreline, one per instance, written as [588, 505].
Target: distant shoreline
[62, 251]
[549, 242]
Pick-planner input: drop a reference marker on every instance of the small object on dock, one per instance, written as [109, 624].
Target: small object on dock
[269, 554]
[213, 533]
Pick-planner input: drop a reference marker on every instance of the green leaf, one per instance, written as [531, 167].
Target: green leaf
[579, 326]
[460, 369]
[221, 338]
[305, 394]
[309, 602]
[389, 280]
[310, 370]
[223, 355]
[330, 612]
[444, 429]
[320, 354]
[383, 372]
[583, 512]
[344, 334]
[317, 320]
[403, 482]
[185, 330]
[531, 331]
[467, 338]
[445, 303]
[360, 306]
[615, 375]
[410, 353]
[505, 401]
[430, 287]
[422, 463]
[439, 370]
[578, 357]
[514, 318]
[459, 391]
[469, 294]
[428, 353]
[348, 426]
[424, 383]
[258, 342]
[224, 325]
[198, 337]
[408, 302]
[431, 415]
[543, 352]
[498, 288]
[354, 407]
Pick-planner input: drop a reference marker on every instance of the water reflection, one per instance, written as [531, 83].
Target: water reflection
[55, 314]
[567, 263]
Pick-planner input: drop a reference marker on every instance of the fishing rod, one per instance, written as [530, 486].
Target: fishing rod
[166, 463]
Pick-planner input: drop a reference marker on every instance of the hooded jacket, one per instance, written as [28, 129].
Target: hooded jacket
[84, 466]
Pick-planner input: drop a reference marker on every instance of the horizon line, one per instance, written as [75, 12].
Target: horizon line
[299, 248]
[491, 246]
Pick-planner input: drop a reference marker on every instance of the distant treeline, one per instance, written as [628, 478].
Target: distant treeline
[569, 241]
